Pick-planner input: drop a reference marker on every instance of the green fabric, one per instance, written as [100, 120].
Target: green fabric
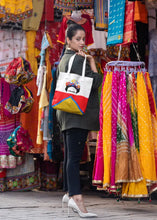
[11, 141]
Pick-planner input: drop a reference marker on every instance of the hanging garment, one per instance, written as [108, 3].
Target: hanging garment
[116, 22]
[13, 44]
[101, 14]
[52, 28]
[131, 146]
[48, 12]
[23, 177]
[15, 10]
[71, 5]
[141, 14]
[115, 88]
[84, 23]
[145, 131]
[7, 125]
[129, 34]
[99, 38]
[33, 22]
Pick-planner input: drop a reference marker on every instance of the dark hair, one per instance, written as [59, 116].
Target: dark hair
[70, 32]
[72, 29]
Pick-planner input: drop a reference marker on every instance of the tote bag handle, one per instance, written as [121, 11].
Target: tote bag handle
[71, 62]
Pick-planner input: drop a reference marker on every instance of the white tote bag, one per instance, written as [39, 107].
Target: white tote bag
[72, 90]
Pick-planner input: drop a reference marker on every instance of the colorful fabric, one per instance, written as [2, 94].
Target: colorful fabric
[115, 87]
[52, 28]
[98, 170]
[128, 134]
[116, 22]
[106, 136]
[129, 34]
[16, 10]
[101, 14]
[48, 12]
[136, 187]
[19, 71]
[141, 13]
[121, 168]
[145, 132]
[133, 107]
[22, 178]
[33, 22]
[13, 45]
[153, 111]
[11, 141]
[32, 52]
[71, 5]
[21, 100]
[7, 125]
[26, 119]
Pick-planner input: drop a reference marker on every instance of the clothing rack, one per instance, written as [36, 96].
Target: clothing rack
[126, 63]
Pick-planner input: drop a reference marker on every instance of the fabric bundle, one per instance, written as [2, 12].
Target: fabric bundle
[126, 154]
[19, 142]
[21, 100]
[19, 72]
[15, 10]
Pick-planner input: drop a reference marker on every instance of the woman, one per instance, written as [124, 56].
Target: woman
[75, 128]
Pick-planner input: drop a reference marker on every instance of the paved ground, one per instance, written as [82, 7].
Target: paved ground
[41, 205]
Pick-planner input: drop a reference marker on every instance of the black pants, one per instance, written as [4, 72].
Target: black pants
[74, 143]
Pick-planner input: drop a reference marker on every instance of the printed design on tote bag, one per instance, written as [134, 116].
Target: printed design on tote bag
[73, 86]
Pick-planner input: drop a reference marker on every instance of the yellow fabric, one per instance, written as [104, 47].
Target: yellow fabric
[145, 131]
[107, 128]
[32, 52]
[39, 139]
[33, 22]
[138, 188]
[153, 116]
[16, 8]
[135, 190]
[48, 65]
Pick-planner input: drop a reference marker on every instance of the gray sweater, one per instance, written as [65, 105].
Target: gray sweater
[90, 120]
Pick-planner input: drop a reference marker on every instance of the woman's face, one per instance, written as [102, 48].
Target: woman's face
[77, 42]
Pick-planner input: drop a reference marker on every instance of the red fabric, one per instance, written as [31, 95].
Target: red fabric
[52, 28]
[88, 29]
[48, 12]
[129, 35]
[3, 173]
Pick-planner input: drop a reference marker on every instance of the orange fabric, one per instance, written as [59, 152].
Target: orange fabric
[30, 120]
[141, 13]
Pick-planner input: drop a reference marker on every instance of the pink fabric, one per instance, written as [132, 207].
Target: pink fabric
[115, 84]
[24, 141]
[98, 171]
[6, 95]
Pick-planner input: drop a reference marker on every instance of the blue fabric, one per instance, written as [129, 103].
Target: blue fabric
[53, 85]
[44, 45]
[49, 149]
[101, 14]
[50, 116]
[116, 22]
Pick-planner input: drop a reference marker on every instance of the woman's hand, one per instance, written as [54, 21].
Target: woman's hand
[90, 59]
